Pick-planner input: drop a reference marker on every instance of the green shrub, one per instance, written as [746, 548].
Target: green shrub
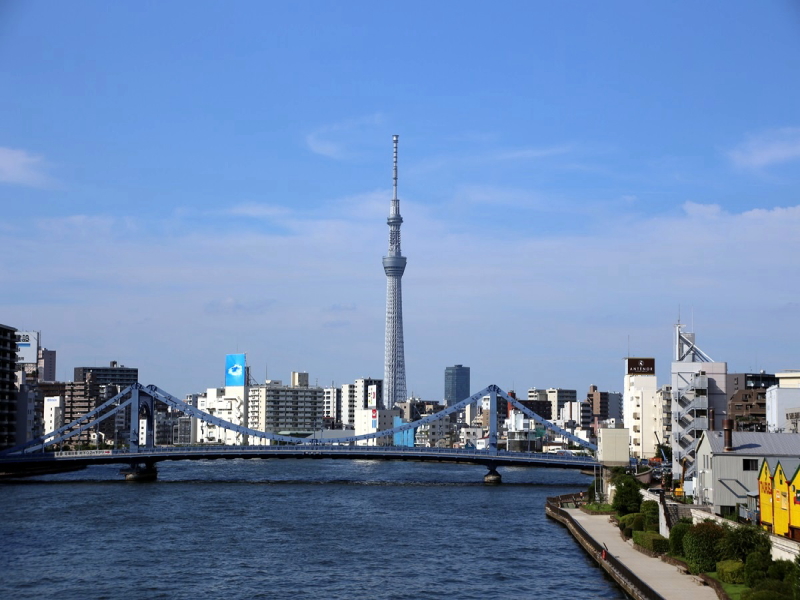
[764, 595]
[755, 568]
[661, 544]
[627, 498]
[730, 571]
[700, 546]
[769, 589]
[627, 520]
[740, 542]
[652, 541]
[649, 510]
[676, 535]
[638, 523]
[651, 527]
[780, 570]
[627, 533]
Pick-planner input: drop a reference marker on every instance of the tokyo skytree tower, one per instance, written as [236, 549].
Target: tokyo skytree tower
[394, 264]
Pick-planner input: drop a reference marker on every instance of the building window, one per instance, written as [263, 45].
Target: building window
[750, 464]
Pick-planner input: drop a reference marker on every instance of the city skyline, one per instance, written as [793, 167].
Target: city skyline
[183, 182]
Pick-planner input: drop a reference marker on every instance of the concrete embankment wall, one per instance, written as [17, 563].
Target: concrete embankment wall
[632, 585]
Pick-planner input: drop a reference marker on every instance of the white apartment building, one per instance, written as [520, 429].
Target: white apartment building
[558, 398]
[276, 408]
[53, 413]
[539, 395]
[575, 415]
[469, 435]
[332, 409]
[640, 407]
[364, 393]
[783, 404]
[471, 413]
[789, 378]
[227, 403]
[434, 434]
[373, 420]
[699, 389]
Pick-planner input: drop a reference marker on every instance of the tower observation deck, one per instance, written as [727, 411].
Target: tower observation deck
[394, 264]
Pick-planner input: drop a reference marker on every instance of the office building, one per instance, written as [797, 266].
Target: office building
[456, 384]
[8, 387]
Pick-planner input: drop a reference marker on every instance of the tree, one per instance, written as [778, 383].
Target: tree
[627, 498]
[742, 541]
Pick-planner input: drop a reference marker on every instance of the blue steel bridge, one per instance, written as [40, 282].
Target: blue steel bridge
[139, 459]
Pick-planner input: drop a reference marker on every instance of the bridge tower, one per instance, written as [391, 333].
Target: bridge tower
[394, 264]
[142, 409]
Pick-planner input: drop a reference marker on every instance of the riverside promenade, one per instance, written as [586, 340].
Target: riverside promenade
[665, 579]
[641, 576]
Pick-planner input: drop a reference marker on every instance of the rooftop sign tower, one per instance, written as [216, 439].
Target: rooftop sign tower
[394, 264]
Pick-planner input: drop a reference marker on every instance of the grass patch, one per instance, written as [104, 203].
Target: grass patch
[734, 590]
[596, 506]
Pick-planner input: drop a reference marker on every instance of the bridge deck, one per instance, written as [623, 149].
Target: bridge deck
[28, 463]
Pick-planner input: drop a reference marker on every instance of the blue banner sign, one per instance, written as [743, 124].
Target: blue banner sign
[234, 369]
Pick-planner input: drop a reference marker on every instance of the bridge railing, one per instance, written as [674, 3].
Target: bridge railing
[179, 452]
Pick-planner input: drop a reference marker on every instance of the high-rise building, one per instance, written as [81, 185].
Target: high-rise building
[364, 393]
[699, 395]
[8, 387]
[114, 373]
[456, 384]
[394, 264]
[558, 398]
[117, 375]
[274, 408]
[332, 414]
[76, 398]
[641, 408]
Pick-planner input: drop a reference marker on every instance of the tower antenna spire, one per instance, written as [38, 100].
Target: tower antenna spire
[395, 140]
[394, 265]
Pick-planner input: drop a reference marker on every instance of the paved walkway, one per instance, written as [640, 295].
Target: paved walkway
[664, 578]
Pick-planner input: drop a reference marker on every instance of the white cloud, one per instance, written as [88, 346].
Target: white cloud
[768, 148]
[257, 211]
[84, 225]
[314, 299]
[336, 140]
[497, 196]
[21, 168]
[236, 307]
[533, 153]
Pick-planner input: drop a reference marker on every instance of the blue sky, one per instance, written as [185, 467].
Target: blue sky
[183, 180]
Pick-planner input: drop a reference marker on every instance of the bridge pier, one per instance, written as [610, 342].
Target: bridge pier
[492, 477]
[140, 472]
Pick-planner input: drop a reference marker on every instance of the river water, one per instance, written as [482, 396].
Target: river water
[315, 529]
